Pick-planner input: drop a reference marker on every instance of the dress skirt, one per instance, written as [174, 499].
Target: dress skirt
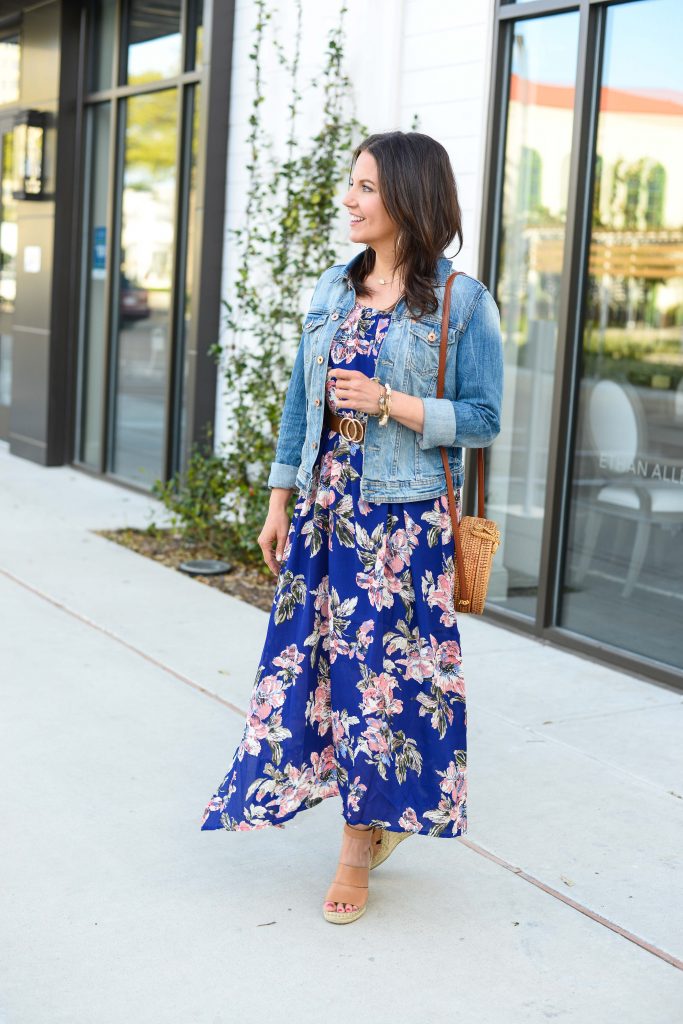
[359, 693]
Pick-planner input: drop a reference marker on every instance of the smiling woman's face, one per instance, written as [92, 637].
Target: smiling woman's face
[363, 200]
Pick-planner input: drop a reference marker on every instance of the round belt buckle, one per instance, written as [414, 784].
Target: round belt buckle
[351, 429]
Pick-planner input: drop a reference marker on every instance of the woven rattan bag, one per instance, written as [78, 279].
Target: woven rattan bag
[476, 537]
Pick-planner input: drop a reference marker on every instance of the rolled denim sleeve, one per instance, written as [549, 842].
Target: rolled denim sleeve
[472, 419]
[292, 432]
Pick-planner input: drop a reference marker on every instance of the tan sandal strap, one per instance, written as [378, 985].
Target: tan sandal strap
[338, 892]
[350, 874]
[357, 833]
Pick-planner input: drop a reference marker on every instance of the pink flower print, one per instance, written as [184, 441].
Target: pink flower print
[215, 804]
[419, 664]
[338, 728]
[382, 583]
[408, 821]
[256, 730]
[292, 793]
[330, 471]
[327, 762]
[445, 521]
[450, 778]
[356, 789]
[337, 646]
[326, 497]
[377, 734]
[447, 673]
[364, 506]
[378, 699]
[353, 318]
[321, 710]
[441, 596]
[381, 329]
[269, 694]
[363, 640]
[290, 659]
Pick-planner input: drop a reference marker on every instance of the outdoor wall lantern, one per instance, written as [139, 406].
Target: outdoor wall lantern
[29, 154]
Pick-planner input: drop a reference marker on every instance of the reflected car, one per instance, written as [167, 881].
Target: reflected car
[133, 300]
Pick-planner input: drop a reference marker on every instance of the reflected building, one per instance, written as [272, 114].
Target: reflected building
[566, 143]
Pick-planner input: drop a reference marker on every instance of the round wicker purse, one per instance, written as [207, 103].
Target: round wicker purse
[476, 537]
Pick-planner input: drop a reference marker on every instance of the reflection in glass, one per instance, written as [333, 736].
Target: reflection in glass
[199, 32]
[93, 369]
[533, 222]
[8, 225]
[9, 69]
[5, 369]
[188, 255]
[102, 51]
[154, 40]
[624, 566]
[144, 285]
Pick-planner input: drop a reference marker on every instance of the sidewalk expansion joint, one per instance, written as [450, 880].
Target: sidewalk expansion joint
[475, 847]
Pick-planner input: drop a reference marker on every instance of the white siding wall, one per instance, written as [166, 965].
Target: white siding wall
[404, 57]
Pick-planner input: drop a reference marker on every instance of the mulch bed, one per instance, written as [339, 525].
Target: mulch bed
[169, 548]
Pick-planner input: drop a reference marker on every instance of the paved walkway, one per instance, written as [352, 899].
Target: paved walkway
[121, 694]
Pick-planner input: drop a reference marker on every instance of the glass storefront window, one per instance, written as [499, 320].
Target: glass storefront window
[154, 40]
[102, 49]
[144, 286]
[530, 265]
[198, 33]
[9, 69]
[187, 308]
[93, 352]
[624, 564]
[8, 224]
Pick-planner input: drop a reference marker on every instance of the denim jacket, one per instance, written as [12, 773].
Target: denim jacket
[400, 464]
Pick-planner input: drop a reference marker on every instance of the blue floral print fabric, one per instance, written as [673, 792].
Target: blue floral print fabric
[359, 692]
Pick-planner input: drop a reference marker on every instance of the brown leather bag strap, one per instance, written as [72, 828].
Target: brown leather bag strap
[464, 594]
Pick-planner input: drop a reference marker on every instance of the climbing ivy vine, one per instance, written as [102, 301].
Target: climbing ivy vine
[285, 242]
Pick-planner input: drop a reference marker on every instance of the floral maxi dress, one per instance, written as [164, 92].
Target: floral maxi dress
[359, 692]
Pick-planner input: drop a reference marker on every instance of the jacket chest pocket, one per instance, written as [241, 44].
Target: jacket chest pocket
[424, 346]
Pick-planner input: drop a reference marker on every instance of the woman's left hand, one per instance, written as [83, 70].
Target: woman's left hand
[355, 391]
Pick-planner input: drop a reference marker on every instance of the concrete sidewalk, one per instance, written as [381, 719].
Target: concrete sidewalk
[122, 689]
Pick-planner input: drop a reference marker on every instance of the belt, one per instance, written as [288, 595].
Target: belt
[350, 428]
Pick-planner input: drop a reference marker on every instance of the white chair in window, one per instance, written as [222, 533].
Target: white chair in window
[616, 433]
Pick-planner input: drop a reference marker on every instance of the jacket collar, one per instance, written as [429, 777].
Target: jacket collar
[443, 269]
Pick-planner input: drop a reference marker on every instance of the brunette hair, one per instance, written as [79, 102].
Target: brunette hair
[417, 187]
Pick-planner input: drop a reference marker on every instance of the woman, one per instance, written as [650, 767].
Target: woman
[360, 692]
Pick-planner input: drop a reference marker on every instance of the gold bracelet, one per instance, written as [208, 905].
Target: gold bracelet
[381, 399]
[386, 406]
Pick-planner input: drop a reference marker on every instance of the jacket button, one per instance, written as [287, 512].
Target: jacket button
[335, 316]
[431, 336]
[314, 444]
[320, 359]
[317, 401]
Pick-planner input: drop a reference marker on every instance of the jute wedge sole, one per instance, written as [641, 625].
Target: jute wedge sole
[349, 885]
[384, 843]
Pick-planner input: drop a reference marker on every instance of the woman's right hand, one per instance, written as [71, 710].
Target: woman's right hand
[273, 536]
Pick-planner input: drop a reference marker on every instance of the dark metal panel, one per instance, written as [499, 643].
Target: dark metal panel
[211, 180]
[64, 311]
[568, 352]
[28, 412]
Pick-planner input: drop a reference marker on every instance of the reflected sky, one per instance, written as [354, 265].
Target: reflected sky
[632, 64]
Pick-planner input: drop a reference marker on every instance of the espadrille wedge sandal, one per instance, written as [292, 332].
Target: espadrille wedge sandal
[384, 843]
[350, 885]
